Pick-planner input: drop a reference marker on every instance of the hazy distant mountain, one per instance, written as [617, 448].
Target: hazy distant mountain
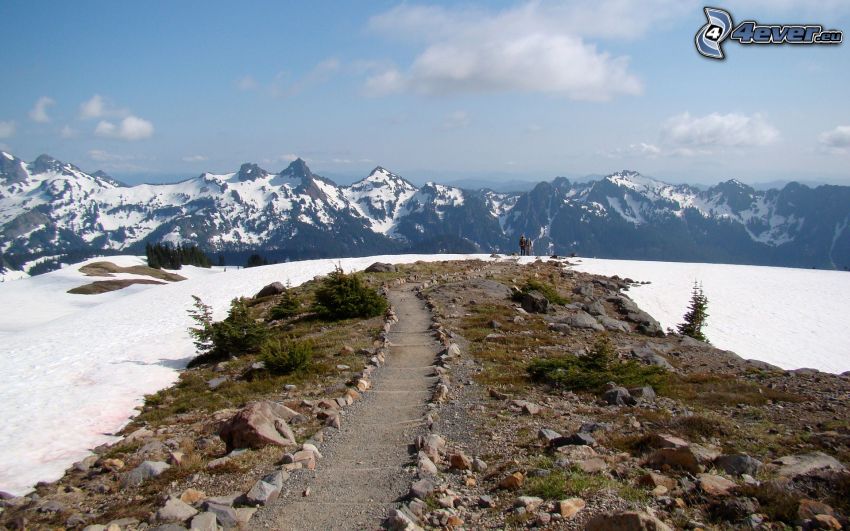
[51, 211]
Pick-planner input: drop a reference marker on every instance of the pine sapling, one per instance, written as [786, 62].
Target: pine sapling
[696, 315]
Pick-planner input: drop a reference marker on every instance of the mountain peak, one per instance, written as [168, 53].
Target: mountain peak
[250, 172]
[297, 169]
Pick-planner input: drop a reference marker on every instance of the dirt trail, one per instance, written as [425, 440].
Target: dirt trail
[361, 475]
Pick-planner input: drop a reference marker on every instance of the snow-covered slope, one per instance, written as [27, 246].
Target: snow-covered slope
[791, 318]
[79, 365]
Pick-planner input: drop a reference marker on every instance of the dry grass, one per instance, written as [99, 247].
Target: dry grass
[105, 286]
[715, 390]
[107, 269]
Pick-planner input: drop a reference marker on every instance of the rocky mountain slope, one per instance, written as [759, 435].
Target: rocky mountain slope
[51, 211]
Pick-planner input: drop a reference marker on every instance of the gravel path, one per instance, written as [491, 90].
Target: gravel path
[362, 475]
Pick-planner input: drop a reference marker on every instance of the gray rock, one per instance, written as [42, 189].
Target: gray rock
[275, 288]
[585, 290]
[168, 527]
[143, 472]
[583, 319]
[381, 267]
[595, 308]
[204, 522]
[738, 464]
[646, 393]
[807, 464]
[175, 510]
[422, 489]
[614, 325]
[262, 493]
[576, 439]
[547, 435]
[535, 302]
[650, 356]
[619, 396]
[628, 520]
[225, 514]
[215, 383]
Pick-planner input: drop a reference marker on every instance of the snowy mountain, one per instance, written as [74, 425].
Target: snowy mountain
[51, 211]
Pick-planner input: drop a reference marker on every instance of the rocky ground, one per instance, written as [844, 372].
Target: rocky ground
[618, 425]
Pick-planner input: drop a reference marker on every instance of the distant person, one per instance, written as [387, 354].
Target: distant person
[522, 243]
[529, 247]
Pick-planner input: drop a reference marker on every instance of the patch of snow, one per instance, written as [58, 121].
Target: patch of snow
[791, 318]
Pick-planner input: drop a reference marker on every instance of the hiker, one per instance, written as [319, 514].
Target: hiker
[522, 244]
[529, 247]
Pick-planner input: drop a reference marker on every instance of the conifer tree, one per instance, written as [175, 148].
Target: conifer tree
[696, 315]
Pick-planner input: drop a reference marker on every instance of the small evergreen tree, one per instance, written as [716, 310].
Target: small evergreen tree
[285, 356]
[289, 305]
[696, 315]
[238, 334]
[342, 296]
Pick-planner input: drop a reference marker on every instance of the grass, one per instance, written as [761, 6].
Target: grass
[714, 390]
[106, 269]
[547, 290]
[560, 484]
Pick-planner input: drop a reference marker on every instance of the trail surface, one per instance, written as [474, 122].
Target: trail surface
[361, 475]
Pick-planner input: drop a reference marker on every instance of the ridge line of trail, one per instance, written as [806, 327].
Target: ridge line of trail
[362, 476]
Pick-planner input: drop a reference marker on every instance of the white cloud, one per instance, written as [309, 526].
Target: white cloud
[718, 130]
[39, 111]
[67, 132]
[287, 158]
[246, 83]
[93, 108]
[194, 158]
[100, 155]
[836, 140]
[536, 47]
[130, 128]
[639, 149]
[457, 120]
[7, 129]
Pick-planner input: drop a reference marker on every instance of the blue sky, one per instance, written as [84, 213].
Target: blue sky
[503, 90]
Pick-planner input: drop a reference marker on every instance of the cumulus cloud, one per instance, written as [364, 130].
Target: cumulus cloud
[39, 111]
[535, 47]
[194, 158]
[130, 128]
[93, 108]
[457, 120]
[718, 130]
[836, 140]
[7, 129]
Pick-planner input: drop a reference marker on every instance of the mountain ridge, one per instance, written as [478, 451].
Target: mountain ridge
[51, 210]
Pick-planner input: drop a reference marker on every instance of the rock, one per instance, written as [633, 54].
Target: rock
[665, 440]
[243, 515]
[571, 454]
[479, 465]
[512, 482]
[381, 267]
[594, 465]
[175, 510]
[626, 521]
[143, 472]
[738, 464]
[576, 439]
[82, 466]
[530, 408]
[275, 288]
[570, 507]
[792, 466]
[825, 521]
[425, 467]
[582, 319]
[433, 445]
[705, 454]
[204, 522]
[546, 435]
[215, 383]
[441, 393]
[535, 302]
[398, 520]
[192, 496]
[595, 308]
[228, 499]
[614, 325]
[618, 396]
[76, 520]
[531, 503]
[809, 509]
[113, 464]
[651, 479]
[224, 514]
[681, 458]
[715, 485]
[422, 489]
[167, 527]
[138, 435]
[258, 424]
[460, 461]
[645, 393]
[486, 501]
[734, 509]
[265, 490]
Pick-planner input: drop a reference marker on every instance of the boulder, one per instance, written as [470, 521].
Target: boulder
[381, 267]
[460, 461]
[267, 489]
[809, 509]
[576, 439]
[738, 464]
[680, 458]
[204, 522]
[535, 302]
[275, 288]
[224, 514]
[714, 485]
[651, 479]
[626, 521]
[570, 507]
[143, 472]
[614, 325]
[512, 482]
[422, 489]
[595, 308]
[546, 435]
[645, 393]
[257, 425]
[582, 319]
[618, 396]
[792, 466]
[175, 510]
[425, 467]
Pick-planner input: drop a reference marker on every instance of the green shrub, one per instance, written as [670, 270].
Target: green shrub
[342, 296]
[547, 290]
[696, 315]
[592, 371]
[287, 356]
[289, 306]
[236, 335]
